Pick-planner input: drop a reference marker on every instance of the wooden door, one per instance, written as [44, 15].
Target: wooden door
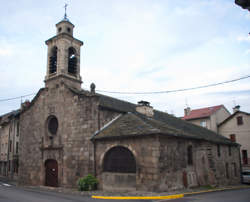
[51, 173]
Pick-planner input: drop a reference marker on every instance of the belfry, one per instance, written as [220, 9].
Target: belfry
[63, 60]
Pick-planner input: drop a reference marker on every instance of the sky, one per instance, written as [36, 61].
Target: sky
[133, 46]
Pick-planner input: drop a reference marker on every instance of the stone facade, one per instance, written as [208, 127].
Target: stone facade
[67, 132]
[162, 164]
[78, 119]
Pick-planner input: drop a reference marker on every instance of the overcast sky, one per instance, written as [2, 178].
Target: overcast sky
[133, 46]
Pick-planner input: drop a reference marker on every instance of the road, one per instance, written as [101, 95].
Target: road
[9, 193]
[239, 195]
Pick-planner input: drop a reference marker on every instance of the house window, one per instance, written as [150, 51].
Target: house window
[239, 120]
[203, 124]
[227, 171]
[190, 155]
[233, 138]
[218, 150]
[10, 145]
[17, 129]
[16, 147]
[244, 157]
[229, 150]
[234, 169]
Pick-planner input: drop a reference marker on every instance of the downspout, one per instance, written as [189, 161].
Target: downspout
[13, 149]
[94, 158]
[8, 153]
[241, 178]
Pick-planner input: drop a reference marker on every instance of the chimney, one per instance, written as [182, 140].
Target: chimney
[92, 88]
[187, 111]
[25, 104]
[144, 107]
[236, 108]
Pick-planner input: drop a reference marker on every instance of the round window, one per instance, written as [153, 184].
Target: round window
[52, 125]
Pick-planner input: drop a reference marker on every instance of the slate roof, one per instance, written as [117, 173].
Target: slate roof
[202, 113]
[138, 125]
[5, 118]
[131, 123]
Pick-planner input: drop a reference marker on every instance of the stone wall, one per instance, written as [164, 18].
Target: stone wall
[146, 153]
[78, 119]
[207, 168]
[162, 163]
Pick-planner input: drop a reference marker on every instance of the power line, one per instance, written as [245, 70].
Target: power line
[178, 90]
[19, 97]
[155, 92]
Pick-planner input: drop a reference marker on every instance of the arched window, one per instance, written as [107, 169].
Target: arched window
[119, 159]
[72, 61]
[53, 60]
[190, 155]
[52, 125]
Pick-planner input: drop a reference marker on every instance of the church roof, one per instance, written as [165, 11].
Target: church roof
[132, 123]
[138, 125]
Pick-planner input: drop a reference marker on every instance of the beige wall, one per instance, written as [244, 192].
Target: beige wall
[4, 142]
[212, 121]
[242, 132]
[198, 122]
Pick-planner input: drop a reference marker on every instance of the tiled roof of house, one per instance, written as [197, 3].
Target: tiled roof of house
[201, 113]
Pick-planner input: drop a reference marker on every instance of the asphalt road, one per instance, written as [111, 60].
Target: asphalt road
[9, 193]
[239, 195]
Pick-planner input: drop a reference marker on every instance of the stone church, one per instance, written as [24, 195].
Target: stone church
[67, 132]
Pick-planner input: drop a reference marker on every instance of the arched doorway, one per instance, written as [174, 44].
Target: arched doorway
[51, 173]
[119, 169]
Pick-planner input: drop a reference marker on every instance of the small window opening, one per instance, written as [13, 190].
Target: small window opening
[52, 125]
[72, 61]
[190, 155]
[229, 150]
[233, 138]
[218, 150]
[53, 61]
[59, 29]
[227, 171]
[10, 145]
[239, 120]
[244, 157]
[234, 169]
[69, 30]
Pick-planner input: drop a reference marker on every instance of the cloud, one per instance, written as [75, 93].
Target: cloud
[243, 38]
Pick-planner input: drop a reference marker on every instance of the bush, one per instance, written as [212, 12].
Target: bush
[87, 183]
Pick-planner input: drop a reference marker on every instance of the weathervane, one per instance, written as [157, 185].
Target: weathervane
[65, 8]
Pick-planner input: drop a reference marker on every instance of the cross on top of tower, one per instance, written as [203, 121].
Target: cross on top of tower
[65, 13]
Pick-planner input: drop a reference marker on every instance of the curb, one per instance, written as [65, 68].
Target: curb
[176, 196]
[139, 197]
[214, 190]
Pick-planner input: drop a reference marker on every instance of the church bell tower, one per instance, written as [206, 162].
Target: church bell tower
[63, 60]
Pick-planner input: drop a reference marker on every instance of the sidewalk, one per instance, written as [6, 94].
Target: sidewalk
[139, 194]
[129, 194]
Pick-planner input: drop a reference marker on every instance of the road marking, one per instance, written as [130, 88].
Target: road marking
[139, 197]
